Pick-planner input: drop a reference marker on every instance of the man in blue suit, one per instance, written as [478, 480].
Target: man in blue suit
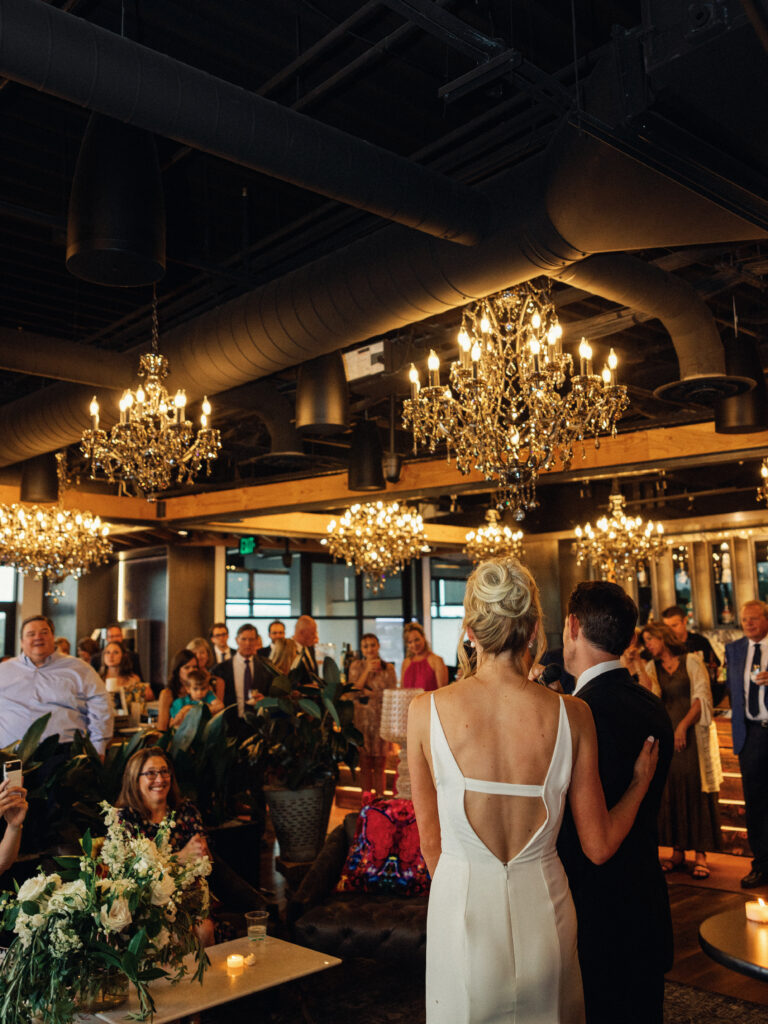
[746, 662]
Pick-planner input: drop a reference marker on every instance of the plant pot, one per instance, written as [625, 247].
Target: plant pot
[300, 818]
[106, 990]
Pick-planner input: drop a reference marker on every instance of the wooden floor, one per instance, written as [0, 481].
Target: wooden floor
[692, 901]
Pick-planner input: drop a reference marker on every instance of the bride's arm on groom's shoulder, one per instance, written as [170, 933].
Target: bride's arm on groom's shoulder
[423, 790]
[601, 831]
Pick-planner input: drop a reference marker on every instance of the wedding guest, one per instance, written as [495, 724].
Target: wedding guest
[13, 807]
[245, 676]
[275, 631]
[219, 635]
[492, 759]
[183, 663]
[747, 667]
[677, 620]
[119, 677]
[198, 692]
[633, 662]
[689, 818]
[369, 677]
[62, 645]
[115, 632]
[283, 654]
[86, 649]
[206, 662]
[305, 637]
[422, 669]
[149, 792]
[41, 681]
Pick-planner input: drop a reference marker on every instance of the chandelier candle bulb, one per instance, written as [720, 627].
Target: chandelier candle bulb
[413, 377]
[613, 362]
[757, 910]
[94, 411]
[433, 365]
[585, 358]
[465, 346]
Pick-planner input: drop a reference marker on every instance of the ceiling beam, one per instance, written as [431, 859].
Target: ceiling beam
[308, 524]
[640, 451]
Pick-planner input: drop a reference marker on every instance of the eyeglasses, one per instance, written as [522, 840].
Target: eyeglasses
[216, 636]
[161, 773]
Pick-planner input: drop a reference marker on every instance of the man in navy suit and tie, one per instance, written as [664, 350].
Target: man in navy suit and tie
[746, 662]
[246, 678]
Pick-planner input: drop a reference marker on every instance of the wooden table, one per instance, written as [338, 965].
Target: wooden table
[732, 940]
[276, 963]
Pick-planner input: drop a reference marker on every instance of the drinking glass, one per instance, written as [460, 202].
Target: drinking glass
[256, 923]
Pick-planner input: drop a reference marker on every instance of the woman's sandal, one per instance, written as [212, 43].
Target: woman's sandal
[700, 871]
[670, 864]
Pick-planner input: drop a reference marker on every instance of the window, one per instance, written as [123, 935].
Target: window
[259, 589]
[722, 579]
[683, 589]
[449, 581]
[761, 560]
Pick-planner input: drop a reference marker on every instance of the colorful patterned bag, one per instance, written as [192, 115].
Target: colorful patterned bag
[385, 855]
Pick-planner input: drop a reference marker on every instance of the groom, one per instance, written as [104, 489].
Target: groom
[622, 906]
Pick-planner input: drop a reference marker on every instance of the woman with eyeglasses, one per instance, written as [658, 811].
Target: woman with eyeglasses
[148, 794]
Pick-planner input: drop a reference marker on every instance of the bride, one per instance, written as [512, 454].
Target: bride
[492, 759]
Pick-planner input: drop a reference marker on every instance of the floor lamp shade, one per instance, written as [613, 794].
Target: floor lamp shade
[116, 223]
[365, 459]
[322, 404]
[40, 479]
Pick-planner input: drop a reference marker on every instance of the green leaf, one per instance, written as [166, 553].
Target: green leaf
[310, 707]
[152, 974]
[285, 705]
[268, 703]
[129, 964]
[138, 943]
[184, 736]
[87, 843]
[331, 710]
[30, 907]
[331, 671]
[31, 737]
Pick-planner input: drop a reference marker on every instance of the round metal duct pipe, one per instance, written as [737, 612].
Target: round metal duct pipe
[322, 402]
[365, 459]
[116, 225]
[40, 479]
[743, 414]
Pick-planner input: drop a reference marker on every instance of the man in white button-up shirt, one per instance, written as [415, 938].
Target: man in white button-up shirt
[746, 661]
[40, 681]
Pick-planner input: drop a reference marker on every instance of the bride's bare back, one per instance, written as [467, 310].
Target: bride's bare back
[502, 736]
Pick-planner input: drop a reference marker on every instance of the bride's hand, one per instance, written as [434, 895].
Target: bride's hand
[646, 762]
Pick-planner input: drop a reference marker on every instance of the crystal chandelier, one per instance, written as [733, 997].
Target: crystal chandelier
[51, 541]
[514, 406]
[762, 490]
[152, 442]
[619, 545]
[493, 540]
[377, 540]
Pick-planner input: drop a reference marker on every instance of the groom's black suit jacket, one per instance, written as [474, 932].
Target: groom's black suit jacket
[622, 906]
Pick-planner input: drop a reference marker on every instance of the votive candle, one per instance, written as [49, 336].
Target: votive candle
[757, 910]
[235, 962]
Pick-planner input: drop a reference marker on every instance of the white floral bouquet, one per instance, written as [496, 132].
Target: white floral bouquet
[126, 905]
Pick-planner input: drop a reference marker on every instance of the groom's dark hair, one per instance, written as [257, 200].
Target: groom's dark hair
[606, 613]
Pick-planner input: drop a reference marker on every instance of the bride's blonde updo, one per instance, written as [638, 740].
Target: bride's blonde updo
[502, 608]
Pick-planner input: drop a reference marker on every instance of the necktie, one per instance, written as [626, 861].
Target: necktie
[247, 677]
[753, 696]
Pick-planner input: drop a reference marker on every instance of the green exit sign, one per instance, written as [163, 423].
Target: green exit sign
[247, 545]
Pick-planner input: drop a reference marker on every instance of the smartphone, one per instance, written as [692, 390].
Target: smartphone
[12, 773]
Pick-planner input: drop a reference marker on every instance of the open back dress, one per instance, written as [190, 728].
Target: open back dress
[501, 937]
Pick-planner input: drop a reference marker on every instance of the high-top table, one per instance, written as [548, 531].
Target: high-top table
[276, 963]
[733, 941]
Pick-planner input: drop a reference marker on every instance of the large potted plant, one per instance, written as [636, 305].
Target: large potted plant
[302, 731]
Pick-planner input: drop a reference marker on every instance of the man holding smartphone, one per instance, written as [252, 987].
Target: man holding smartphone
[42, 681]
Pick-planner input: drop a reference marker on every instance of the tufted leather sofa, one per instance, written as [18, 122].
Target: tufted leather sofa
[351, 924]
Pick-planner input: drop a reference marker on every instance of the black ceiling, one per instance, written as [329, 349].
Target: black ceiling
[376, 70]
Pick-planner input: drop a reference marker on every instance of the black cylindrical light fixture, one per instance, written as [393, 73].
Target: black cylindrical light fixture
[40, 479]
[322, 405]
[747, 413]
[116, 224]
[365, 456]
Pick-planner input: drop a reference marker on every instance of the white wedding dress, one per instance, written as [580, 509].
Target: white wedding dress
[501, 938]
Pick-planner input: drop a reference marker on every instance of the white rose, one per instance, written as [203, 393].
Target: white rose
[32, 889]
[72, 894]
[162, 890]
[116, 917]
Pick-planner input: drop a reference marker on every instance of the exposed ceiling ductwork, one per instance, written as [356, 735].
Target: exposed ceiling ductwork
[69, 57]
[581, 196]
[397, 276]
